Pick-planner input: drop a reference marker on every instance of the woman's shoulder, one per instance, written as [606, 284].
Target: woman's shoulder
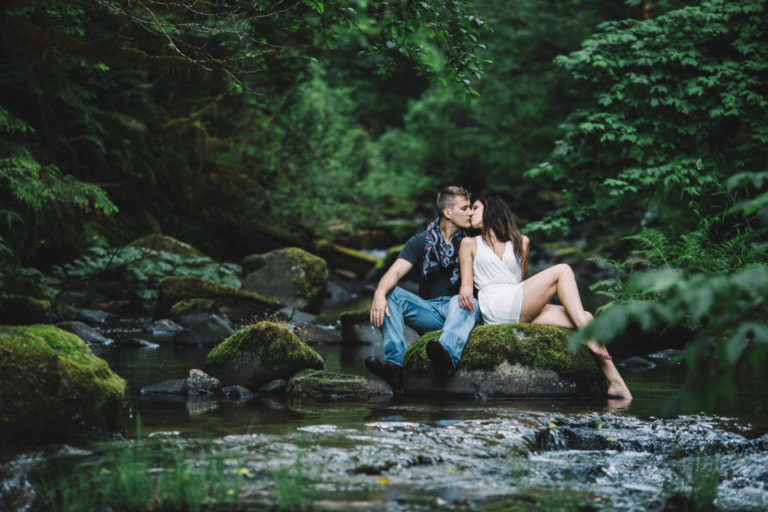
[469, 241]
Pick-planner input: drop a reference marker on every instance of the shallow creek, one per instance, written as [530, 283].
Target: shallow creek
[409, 454]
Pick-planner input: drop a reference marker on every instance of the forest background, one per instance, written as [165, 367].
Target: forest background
[640, 127]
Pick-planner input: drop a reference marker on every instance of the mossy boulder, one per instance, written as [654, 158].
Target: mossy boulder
[259, 354]
[344, 260]
[24, 310]
[237, 304]
[52, 387]
[293, 276]
[158, 242]
[507, 361]
[192, 306]
[327, 387]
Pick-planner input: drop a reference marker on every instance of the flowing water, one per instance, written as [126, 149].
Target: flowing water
[416, 454]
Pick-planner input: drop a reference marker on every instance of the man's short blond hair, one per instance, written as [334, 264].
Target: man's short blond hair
[446, 198]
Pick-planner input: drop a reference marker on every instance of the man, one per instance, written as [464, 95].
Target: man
[434, 253]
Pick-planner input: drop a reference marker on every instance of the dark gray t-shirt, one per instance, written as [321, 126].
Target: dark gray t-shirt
[438, 280]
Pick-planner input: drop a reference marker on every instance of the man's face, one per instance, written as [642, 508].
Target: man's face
[459, 213]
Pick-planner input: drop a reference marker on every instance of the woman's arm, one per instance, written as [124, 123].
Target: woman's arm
[466, 257]
[524, 257]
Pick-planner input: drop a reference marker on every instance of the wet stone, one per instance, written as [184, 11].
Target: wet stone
[637, 364]
[237, 393]
[164, 328]
[139, 343]
[200, 383]
[86, 333]
[274, 386]
[327, 386]
[167, 387]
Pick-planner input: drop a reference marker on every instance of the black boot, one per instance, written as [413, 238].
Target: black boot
[388, 371]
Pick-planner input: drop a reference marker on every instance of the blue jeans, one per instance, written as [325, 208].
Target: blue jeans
[424, 316]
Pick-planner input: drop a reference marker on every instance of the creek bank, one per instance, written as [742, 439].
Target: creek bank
[52, 387]
[506, 361]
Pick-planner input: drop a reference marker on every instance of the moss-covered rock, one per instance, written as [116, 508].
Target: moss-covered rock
[507, 360]
[191, 306]
[325, 386]
[293, 276]
[52, 387]
[261, 353]
[344, 259]
[24, 310]
[236, 304]
[158, 242]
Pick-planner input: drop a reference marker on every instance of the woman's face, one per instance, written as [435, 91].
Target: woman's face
[476, 220]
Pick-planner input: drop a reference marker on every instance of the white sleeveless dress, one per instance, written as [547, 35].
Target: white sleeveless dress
[499, 284]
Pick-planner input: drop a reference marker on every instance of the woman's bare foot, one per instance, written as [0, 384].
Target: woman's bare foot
[599, 350]
[619, 390]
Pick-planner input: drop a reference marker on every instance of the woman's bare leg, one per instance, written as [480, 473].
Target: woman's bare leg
[557, 316]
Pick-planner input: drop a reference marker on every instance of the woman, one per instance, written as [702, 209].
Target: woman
[495, 262]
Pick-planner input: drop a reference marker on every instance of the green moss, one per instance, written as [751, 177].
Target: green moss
[52, 386]
[21, 309]
[190, 306]
[175, 289]
[356, 316]
[272, 342]
[533, 345]
[315, 273]
[158, 242]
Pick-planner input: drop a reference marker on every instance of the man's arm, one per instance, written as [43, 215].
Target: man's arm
[388, 281]
[466, 258]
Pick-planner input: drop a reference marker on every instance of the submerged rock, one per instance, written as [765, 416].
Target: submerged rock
[167, 387]
[164, 328]
[86, 333]
[637, 363]
[236, 304]
[507, 361]
[200, 383]
[293, 276]
[325, 386]
[261, 353]
[52, 387]
[24, 310]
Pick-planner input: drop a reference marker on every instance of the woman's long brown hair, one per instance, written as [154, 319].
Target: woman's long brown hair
[498, 217]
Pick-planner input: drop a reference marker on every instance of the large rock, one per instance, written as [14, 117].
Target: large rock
[158, 242]
[236, 304]
[507, 361]
[345, 260]
[86, 333]
[202, 329]
[325, 386]
[293, 276]
[261, 353]
[24, 310]
[52, 387]
[356, 327]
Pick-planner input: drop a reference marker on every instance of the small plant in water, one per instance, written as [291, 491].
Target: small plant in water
[694, 483]
[295, 486]
[141, 476]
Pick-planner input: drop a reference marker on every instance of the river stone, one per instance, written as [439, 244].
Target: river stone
[344, 259]
[164, 328]
[202, 329]
[666, 355]
[86, 333]
[158, 242]
[637, 363]
[356, 327]
[311, 333]
[139, 343]
[238, 393]
[200, 383]
[506, 361]
[167, 387]
[325, 386]
[24, 310]
[236, 304]
[52, 387]
[261, 353]
[293, 276]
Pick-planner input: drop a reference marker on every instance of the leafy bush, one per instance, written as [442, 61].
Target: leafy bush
[141, 269]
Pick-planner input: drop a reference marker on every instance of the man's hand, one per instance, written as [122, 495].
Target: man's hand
[379, 308]
[467, 299]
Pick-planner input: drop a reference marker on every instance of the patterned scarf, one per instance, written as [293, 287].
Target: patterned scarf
[440, 254]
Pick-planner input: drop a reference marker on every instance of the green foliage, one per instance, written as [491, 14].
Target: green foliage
[142, 269]
[694, 482]
[296, 485]
[142, 475]
[677, 106]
